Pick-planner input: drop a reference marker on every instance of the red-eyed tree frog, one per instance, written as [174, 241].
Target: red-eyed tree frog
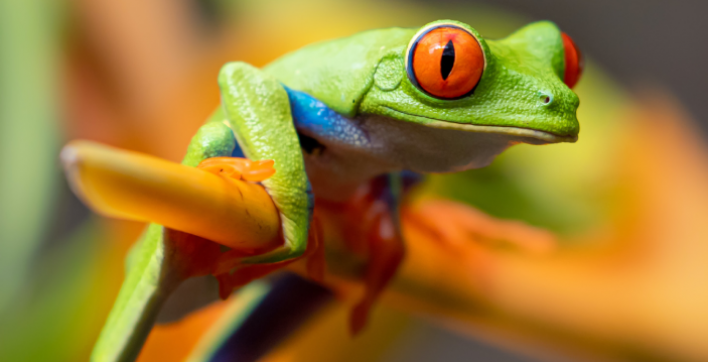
[361, 115]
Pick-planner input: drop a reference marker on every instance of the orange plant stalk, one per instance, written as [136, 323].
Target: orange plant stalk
[131, 185]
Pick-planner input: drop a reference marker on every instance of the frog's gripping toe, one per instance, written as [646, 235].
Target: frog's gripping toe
[239, 168]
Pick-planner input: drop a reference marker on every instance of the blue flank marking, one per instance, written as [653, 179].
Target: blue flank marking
[316, 119]
[237, 152]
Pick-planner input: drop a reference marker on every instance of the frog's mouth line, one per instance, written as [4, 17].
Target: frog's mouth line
[505, 130]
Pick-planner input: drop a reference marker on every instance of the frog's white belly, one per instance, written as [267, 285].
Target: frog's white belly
[384, 144]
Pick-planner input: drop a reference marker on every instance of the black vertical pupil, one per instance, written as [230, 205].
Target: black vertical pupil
[447, 60]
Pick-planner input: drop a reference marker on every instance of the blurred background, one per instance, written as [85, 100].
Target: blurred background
[141, 75]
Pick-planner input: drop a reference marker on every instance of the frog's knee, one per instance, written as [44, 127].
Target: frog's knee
[215, 132]
[235, 70]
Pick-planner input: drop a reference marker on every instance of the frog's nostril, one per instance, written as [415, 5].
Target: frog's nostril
[545, 98]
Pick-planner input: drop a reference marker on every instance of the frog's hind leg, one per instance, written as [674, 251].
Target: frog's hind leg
[385, 246]
[386, 251]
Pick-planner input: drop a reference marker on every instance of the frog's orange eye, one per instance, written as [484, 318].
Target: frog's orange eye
[574, 63]
[446, 62]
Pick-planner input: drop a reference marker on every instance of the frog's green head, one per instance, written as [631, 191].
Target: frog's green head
[450, 77]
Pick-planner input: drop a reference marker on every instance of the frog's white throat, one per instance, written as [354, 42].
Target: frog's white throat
[394, 145]
[426, 149]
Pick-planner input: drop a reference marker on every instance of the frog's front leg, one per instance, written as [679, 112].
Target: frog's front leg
[257, 108]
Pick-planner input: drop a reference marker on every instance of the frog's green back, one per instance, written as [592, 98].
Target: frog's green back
[339, 72]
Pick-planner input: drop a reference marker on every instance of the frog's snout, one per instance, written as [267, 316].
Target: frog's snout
[557, 109]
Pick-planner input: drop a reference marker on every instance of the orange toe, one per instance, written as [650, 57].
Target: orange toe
[258, 171]
[239, 168]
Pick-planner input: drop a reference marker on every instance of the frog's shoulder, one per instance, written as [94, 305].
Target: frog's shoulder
[339, 72]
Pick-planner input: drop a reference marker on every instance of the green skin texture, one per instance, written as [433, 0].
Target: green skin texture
[360, 75]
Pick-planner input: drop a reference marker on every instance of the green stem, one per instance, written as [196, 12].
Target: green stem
[152, 276]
